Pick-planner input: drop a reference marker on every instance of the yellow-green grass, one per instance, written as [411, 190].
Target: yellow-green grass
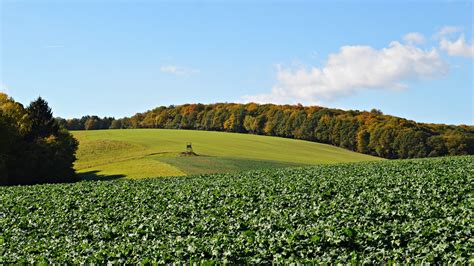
[138, 153]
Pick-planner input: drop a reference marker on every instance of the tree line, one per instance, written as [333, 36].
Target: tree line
[371, 132]
[34, 147]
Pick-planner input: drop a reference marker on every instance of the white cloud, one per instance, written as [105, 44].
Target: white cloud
[178, 70]
[458, 47]
[454, 47]
[447, 30]
[352, 69]
[279, 95]
[414, 38]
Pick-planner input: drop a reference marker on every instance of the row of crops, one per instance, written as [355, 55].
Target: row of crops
[392, 211]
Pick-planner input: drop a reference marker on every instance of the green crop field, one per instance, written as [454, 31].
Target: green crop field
[407, 211]
[137, 153]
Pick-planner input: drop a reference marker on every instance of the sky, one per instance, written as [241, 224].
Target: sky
[412, 59]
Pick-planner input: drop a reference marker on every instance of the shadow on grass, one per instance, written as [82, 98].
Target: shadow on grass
[95, 176]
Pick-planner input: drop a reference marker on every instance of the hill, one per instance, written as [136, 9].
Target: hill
[370, 133]
[407, 211]
[139, 153]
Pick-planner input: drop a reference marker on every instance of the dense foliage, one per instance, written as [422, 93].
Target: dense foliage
[33, 147]
[88, 123]
[367, 132]
[408, 211]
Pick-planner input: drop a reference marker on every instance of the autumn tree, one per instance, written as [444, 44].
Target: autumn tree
[35, 149]
[366, 132]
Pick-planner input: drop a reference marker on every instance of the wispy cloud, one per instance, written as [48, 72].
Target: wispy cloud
[178, 70]
[52, 46]
[352, 69]
[414, 38]
[446, 30]
[314, 55]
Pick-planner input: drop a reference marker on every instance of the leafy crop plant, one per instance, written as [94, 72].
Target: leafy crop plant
[407, 211]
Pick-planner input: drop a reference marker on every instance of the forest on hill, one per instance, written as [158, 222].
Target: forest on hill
[371, 132]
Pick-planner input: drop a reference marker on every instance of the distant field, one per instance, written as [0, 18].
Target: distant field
[138, 153]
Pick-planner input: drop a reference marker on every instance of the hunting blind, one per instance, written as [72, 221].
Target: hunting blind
[189, 147]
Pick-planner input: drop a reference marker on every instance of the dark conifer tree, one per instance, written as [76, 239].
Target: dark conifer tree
[42, 122]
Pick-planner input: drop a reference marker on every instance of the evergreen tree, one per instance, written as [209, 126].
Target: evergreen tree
[41, 117]
[33, 147]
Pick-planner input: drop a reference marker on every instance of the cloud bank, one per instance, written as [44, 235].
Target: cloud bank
[352, 69]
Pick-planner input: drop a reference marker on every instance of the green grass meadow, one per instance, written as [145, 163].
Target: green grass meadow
[140, 153]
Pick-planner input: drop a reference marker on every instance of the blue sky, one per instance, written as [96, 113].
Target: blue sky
[116, 58]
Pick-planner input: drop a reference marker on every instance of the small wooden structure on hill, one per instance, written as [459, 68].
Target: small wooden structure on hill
[189, 147]
[189, 150]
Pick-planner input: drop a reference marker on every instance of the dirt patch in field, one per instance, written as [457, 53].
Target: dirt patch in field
[188, 154]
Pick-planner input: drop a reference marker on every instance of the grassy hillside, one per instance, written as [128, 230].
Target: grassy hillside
[410, 211]
[366, 132]
[137, 153]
